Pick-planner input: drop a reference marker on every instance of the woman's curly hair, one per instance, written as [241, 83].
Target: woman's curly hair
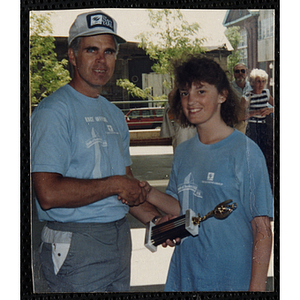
[199, 69]
[257, 73]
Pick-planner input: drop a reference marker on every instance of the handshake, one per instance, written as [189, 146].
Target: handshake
[142, 191]
[133, 192]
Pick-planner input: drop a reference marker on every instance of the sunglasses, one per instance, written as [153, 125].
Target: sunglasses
[240, 71]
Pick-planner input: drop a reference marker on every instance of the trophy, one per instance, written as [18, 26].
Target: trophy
[184, 225]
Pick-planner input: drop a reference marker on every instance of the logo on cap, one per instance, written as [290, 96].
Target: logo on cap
[100, 20]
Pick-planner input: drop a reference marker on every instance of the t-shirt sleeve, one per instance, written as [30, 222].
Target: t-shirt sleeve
[50, 144]
[126, 141]
[257, 194]
[172, 185]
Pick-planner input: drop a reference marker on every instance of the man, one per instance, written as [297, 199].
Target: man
[240, 83]
[81, 170]
[241, 86]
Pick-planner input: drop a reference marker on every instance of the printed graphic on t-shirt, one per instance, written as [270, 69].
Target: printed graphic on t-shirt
[98, 140]
[189, 190]
[210, 179]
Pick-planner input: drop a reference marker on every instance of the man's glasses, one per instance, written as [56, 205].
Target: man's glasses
[240, 71]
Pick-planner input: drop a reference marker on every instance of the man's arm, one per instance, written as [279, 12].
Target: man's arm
[262, 245]
[54, 190]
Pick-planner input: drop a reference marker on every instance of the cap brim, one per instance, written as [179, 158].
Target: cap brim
[119, 39]
[90, 33]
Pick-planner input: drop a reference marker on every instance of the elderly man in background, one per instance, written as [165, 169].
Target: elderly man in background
[241, 86]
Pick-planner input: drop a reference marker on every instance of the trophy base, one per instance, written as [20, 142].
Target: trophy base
[179, 227]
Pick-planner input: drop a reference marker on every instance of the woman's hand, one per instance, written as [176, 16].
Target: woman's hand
[168, 242]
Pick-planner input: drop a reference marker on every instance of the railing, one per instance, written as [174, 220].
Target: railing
[125, 110]
[139, 101]
[124, 102]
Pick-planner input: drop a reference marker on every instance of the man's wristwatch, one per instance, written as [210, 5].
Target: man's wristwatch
[154, 220]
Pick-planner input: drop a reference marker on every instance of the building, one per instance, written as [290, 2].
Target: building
[257, 45]
[132, 62]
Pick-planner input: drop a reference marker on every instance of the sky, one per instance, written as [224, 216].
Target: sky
[132, 22]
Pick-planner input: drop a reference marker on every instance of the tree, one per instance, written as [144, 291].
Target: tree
[234, 37]
[133, 90]
[47, 74]
[171, 38]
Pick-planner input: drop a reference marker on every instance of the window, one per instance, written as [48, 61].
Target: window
[242, 47]
[146, 113]
[243, 41]
[244, 56]
[134, 114]
[159, 112]
[266, 28]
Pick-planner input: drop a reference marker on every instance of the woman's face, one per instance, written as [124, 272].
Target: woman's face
[259, 85]
[201, 103]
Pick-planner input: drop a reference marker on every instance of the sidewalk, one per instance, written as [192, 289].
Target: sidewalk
[149, 270]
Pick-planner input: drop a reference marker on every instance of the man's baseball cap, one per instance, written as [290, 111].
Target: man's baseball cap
[93, 23]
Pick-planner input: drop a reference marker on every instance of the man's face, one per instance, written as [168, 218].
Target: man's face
[94, 63]
[240, 74]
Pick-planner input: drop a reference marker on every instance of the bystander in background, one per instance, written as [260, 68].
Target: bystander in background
[241, 86]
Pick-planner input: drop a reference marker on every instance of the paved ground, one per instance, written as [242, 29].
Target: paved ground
[149, 270]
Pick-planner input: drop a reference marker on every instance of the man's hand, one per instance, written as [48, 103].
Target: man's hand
[131, 193]
[146, 187]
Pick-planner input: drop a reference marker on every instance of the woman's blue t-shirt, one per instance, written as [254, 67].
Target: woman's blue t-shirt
[220, 257]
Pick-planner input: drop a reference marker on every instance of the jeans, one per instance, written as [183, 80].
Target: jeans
[86, 257]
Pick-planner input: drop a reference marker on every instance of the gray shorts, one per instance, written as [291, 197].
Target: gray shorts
[86, 257]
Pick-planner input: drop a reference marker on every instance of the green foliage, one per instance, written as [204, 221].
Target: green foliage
[172, 38]
[135, 91]
[47, 74]
[234, 37]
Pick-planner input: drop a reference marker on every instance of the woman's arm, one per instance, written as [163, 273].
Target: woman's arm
[271, 100]
[166, 203]
[261, 252]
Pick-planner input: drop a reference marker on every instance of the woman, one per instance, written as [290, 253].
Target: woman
[218, 164]
[260, 104]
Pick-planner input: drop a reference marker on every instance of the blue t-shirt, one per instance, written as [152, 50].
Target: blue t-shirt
[220, 257]
[80, 137]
